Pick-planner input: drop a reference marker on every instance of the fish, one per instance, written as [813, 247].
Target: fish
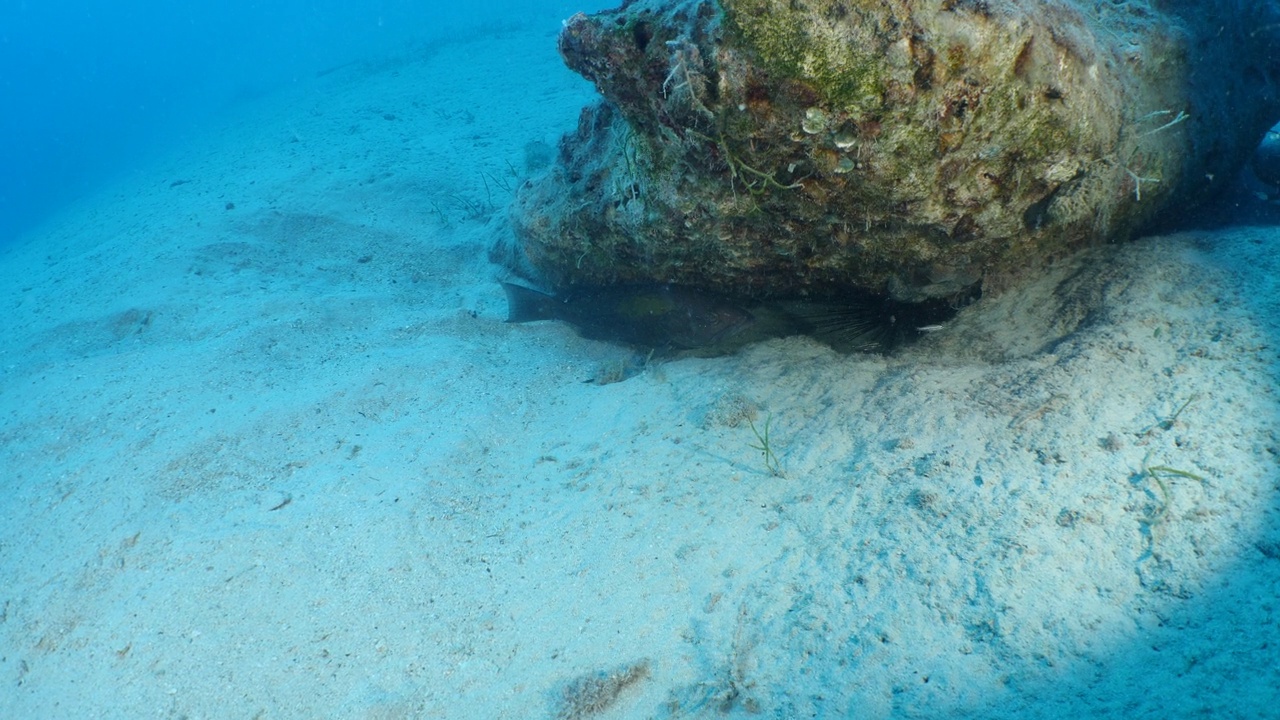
[658, 317]
[677, 320]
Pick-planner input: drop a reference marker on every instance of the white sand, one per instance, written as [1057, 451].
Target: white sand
[286, 460]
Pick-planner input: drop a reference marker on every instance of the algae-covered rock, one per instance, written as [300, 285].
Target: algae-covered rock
[785, 147]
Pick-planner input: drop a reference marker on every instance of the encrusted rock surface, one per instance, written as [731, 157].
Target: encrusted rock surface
[917, 149]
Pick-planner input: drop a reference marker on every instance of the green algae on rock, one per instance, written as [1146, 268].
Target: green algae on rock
[916, 149]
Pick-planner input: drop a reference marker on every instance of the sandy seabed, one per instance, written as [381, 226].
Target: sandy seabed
[270, 451]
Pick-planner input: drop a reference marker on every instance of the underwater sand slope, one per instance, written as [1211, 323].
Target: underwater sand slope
[287, 460]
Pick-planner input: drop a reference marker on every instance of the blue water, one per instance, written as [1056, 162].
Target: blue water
[90, 87]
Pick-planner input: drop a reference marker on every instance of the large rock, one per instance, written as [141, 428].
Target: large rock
[919, 149]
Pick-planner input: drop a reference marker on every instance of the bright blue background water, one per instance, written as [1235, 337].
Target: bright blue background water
[88, 88]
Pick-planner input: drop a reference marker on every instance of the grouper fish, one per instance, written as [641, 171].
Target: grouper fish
[654, 317]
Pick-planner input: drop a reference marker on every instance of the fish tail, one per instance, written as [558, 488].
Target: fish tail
[525, 305]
